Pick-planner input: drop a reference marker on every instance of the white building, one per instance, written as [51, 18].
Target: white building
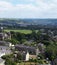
[27, 57]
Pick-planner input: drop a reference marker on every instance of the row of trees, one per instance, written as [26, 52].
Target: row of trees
[17, 37]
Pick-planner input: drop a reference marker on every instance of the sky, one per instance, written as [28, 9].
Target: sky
[28, 8]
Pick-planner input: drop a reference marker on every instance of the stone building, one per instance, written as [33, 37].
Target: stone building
[4, 35]
[27, 52]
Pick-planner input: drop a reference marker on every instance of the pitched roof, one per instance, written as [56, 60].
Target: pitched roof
[31, 50]
[3, 43]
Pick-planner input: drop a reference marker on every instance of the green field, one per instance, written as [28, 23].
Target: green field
[27, 63]
[21, 31]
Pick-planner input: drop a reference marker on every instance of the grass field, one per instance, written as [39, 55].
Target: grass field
[27, 63]
[21, 31]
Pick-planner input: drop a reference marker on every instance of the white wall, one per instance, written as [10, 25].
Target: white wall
[27, 57]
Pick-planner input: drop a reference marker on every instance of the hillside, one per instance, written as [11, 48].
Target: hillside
[28, 22]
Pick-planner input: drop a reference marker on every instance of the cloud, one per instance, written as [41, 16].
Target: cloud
[34, 9]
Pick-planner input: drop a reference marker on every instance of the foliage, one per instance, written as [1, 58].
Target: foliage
[8, 56]
[32, 60]
[13, 41]
[9, 62]
[41, 56]
[20, 31]
[40, 61]
[8, 59]
[19, 56]
[51, 51]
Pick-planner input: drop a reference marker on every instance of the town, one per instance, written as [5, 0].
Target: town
[34, 48]
[28, 32]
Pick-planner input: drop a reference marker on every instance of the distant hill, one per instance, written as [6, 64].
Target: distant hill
[27, 22]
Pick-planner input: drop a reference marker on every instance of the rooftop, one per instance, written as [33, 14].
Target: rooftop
[31, 50]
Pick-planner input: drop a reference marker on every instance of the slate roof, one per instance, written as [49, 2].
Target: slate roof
[4, 43]
[31, 50]
[5, 49]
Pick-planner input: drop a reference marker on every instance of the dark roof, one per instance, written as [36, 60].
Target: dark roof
[4, 43]
[31, 50]
[1, 34]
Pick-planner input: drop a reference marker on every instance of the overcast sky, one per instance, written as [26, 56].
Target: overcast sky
[28, 8]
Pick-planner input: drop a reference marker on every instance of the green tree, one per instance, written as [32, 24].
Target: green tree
[19, 56]
[51, 51]
[9, 62]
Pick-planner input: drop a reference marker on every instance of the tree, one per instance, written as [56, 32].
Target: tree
[34, 35]
[9, 62]
[8, 59]
[20, 36]
[51, 52]
[19, 56]
[41, 56]
[13, 41]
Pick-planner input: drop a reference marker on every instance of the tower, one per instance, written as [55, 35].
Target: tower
[27, 56]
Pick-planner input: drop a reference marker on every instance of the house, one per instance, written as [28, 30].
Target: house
[8, 35]
[24, 48]
[4, 36]
[41, 47]
[26, 56]
[55, 38]
[4, 50]
[4, 43]
[27, 52]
